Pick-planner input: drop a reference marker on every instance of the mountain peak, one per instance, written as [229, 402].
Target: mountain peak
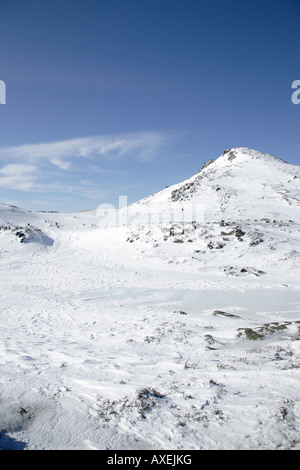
[244, 158]
[246, 154]
[241, 183]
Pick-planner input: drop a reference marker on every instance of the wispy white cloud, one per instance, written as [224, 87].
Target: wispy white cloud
[139, 145]
[18, 175]
[14, 169]
[63, 165]
[22, 183]
[44, 166]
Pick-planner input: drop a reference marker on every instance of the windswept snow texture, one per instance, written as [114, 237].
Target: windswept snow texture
[140, 330]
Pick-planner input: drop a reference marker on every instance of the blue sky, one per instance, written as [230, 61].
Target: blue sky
[124, 97]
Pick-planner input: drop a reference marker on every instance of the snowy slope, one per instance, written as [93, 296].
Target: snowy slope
[152, 328]
[232, 185]
[246, 206]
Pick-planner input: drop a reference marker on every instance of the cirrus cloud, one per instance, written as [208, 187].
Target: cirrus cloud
[42, 166]
[76, 173]
[140, 145]
[18, 175]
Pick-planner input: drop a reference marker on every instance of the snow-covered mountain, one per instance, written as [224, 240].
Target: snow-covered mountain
[173, 323]
[245, 205]
[241, 183]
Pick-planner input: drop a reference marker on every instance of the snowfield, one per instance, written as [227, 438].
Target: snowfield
[151, 329]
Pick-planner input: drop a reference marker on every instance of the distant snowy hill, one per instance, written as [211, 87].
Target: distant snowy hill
[240, 212]
[241, 183]
[243, 207]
